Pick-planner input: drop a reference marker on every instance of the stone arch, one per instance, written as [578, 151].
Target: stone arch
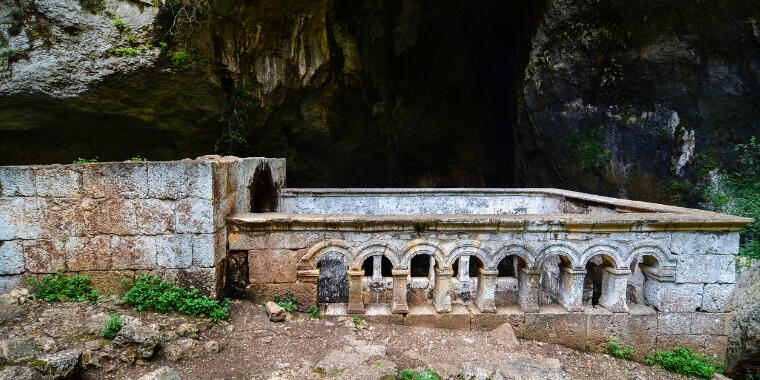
[606, 248]
[372, 248]
[560, 249]
[324, 248]
[470, 248]
[649, 249]
[422, 247]
[511, 249]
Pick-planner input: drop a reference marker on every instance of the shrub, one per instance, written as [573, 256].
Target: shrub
[289, 303]
[112, 327]
[682, 360]
[613, 349]
[408, 374]
[60, 289]
[179, 58]
[150, 292]
[120, 24]
[314, 312]
[82, 161]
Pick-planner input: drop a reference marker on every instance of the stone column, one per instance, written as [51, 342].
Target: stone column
[377, 268]
[571, 288]
[355, 304]
[528, 285]
[399, 305]
[442, 291]
[486, 291]
[614, 283]
[464, 268]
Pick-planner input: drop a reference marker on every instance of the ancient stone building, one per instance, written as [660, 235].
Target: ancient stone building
[560, 266]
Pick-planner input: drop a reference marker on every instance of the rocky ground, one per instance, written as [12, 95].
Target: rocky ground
[64, 339]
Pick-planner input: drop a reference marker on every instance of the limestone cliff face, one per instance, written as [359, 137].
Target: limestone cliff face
[644, 87]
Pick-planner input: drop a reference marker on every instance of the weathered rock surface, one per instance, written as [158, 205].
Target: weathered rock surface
[19, 373]
[145, 338]
[533, 369]
[743, 352]
[275, 312]
[163, 373]
[504, 336]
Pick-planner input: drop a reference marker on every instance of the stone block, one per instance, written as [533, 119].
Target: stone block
[489, 321]
[169, 180]
[272, 265]
[706, 269]
[388, 319]
[209, 249]
[695, 342]
[246, 241]
[674, 323]
[641, 331]
[604, 326]
[425, 316]
[133, 252]
[692, 243]
[154, 216]
[70, 217]
[59, 181]
[174, 251]
[88, 253]
[715, 346]
[8, 283]
[17, 181]
[115, 180]
[305, 292]
[44, 256]
[23, 218]
[717, 297]
[710, 323]
[293, 240]
[194, 215]
[11, 257]
[110, 281]
[672, 297]
[553, 324]
[114, 216]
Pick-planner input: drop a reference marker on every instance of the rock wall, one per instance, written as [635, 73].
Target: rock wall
[121, 219]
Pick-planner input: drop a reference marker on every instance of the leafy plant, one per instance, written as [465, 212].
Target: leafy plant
[357, 320]
[233, 140]
[589, 149]
[426, 374]
[151, 293]
[60, 289]
[614, 349]
[93, 6]
[752, 375]
[682, 360]
[120, 24]
[12, 54]
[122, 51]
[112, 326]
[132, 39]
[289, 303]
[138, 159]
[179, 58]
[314, 312]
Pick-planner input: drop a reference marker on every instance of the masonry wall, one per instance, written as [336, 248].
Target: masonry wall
[117, 220]
[685, 302]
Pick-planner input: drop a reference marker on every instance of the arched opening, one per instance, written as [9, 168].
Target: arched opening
[642, 269]
[593, 282]
[505, 293]
[263, 191]
[377, 284]
[421, 279]
[550, 289]
[465, 278]
[332, 285]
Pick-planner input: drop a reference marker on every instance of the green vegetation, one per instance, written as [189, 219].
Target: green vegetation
[93, 6]
[233, 140]
[82, 161]
[60, 289]
[179, 59]
[357, 320]
[123, 51]
[12, 54]
[150, 292]
[289, 303]
[750, 375]
[120, 24]
[614, 349]
[588, 146]
[132, 40]
[314, 312]
[408, 374]
[113, 326]
[138, 159]
[682, 360]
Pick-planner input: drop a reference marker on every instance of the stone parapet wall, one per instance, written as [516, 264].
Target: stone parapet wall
[120, 219]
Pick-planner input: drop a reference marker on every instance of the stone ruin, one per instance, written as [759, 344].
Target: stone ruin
[560, 266]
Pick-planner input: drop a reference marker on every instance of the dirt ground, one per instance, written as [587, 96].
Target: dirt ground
[252, 347]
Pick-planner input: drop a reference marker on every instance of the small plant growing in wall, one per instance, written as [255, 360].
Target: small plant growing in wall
[113, 326]
[684, 361]
[60, 289]
[120, 24]
[179, 59]
[138, 159]
[289, 302]
[589, 149]
[314, 312]
[614, 349]
[82, 161]
[408, 374]
[151, 293]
